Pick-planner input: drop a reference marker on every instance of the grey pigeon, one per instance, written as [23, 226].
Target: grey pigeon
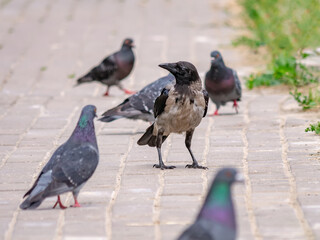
[139, 105]
[216, 219]
[222, 83]
[179, 108]
[113, 69]
[70, 166]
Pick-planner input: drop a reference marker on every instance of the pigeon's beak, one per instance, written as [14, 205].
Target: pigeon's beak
[132, 45]
[239, 178]
[171, 67]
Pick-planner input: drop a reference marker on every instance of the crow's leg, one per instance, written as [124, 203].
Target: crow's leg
[158, 145]
[188, 145]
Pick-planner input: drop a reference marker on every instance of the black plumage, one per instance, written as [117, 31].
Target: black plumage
[178, 109]
[70, 166]
[140, 105]
[113, 69]
[222, 83]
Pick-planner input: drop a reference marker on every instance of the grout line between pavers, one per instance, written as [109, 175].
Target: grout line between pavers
[8, 233]
[204, 160]
[157, 198]
[248, 194]
[116, 190]
[293, 187]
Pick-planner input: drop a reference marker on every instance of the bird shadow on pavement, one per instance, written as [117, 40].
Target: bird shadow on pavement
[121, 133]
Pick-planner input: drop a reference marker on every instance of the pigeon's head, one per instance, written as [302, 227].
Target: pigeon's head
[216, 58]
[128, 43]
[184, 72]
[228, 175]
[89, 112]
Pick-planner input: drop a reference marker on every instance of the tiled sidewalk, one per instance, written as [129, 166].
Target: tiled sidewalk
[42, 42]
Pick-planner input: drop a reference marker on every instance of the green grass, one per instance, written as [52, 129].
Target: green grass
[43, 68]
[311, 100]
[314, 128]
[283, 70]
[72, 75]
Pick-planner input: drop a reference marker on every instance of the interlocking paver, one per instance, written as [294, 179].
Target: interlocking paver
[43, 42]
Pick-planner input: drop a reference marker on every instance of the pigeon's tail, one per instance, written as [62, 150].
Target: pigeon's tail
[148, 138]
[112, 114]
[85, 78]
[29, 204]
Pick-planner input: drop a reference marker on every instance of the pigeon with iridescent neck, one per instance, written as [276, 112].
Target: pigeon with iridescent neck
[222, 83]
[70, 166]
[216, 219]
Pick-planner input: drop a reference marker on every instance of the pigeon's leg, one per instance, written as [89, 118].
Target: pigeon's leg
[60, 203]
[126, 91]
[76, 203]
[161, 164]
[107, 92]
[216, 112]
[235, 105]
[188, 145]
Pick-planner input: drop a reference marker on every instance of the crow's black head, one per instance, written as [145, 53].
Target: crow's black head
[184, 72]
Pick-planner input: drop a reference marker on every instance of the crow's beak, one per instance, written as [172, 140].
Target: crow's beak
[239, 178]
[171, 67]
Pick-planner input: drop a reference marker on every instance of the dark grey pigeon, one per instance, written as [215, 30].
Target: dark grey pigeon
[179, 108]
[113, 69]
[216, 219]
[222, 83]
[70, 166]
[139, 105]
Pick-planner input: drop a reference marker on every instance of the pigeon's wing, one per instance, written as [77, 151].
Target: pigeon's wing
[144, 99]
[105, 69]
[238, 84]
[160, 102]
[196, 232]
[75, 168]
[206, 99]
[53, 160]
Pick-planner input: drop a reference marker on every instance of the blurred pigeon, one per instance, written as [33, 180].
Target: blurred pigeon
[179, 108]
[216, 219]
[139, 105]
[113, 69]
[222, 83]
[70, 166]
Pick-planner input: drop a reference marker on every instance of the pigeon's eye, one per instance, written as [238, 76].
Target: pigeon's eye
[217, 55]
[228, 174]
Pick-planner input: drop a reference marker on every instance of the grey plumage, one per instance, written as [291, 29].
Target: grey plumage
[113, 69]
[70, 166]
[140, 105]
[222, 83]
[216, 219]
[178, 109]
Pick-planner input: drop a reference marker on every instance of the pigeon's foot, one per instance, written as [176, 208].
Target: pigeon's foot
[60, 204]
[76, 203]
[106, 94]
[163, 166]
[195, 165]
[235, 105]
[214, 114]
[126, 91]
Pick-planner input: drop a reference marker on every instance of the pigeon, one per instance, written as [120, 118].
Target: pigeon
[113, 68]
[179, 108]
[139, 105]
[70, 166]
[216, 219]
[222, 83]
